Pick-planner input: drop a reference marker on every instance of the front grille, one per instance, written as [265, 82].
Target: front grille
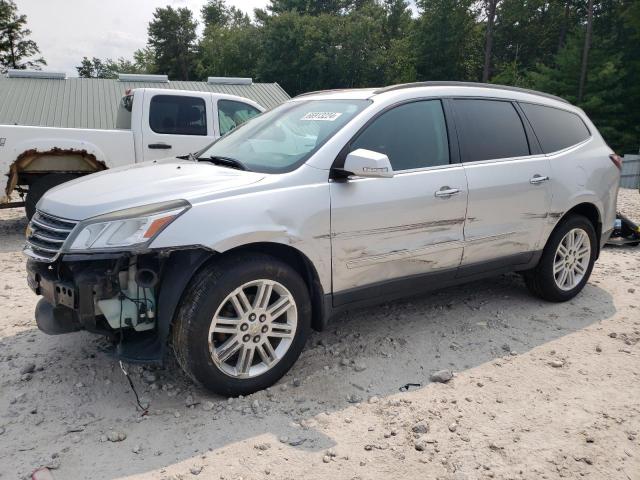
[46, 235]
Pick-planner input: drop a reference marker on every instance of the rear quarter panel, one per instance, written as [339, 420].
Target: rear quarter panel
[584, 174]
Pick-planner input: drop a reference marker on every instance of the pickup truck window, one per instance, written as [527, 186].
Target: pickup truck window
[284, 138]
[232, 113]
[123, 120]
[178, 115]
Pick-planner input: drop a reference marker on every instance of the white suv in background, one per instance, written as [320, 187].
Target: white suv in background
[331, 200]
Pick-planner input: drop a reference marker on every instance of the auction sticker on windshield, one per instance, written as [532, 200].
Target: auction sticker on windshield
[321, 116]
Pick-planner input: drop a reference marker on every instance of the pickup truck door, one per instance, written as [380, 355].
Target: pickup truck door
[176, 123]
[389, 232]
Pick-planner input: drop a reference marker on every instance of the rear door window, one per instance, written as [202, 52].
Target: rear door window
[413, 135]
[123, 119]
[178, 115]
[489, 129]
[232, 114]
[556, 129]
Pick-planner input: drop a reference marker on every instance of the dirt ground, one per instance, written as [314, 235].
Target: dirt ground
[540, 391]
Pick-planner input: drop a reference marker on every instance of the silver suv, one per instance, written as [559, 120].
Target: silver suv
[332, 200]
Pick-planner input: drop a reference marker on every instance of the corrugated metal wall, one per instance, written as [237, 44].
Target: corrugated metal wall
[93, 103]
[630, 171]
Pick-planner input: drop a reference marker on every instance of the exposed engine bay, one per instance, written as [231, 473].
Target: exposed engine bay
[105, 296]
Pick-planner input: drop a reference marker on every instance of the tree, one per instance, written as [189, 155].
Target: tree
[16, 49]
[308, 7]
[585, 51]
[94, 68]
[604, 100]
[108, 68]
[217, 14]
[172, 39]
[447, 40]
[490, 7]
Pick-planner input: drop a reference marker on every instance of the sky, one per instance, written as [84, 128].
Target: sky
[67, 30]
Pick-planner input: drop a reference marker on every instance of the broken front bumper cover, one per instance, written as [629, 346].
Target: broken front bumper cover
[69, 285]
[68, 306]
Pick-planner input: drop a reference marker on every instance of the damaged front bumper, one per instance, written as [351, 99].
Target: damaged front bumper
[130, 298]
[112, 295]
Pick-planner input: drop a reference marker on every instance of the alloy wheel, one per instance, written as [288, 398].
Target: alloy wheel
[572, 258]
[253, 328]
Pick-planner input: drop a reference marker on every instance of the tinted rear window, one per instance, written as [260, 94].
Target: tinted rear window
[556, 129]
[489, 129]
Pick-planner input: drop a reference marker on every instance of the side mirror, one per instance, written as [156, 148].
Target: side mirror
[368, 164]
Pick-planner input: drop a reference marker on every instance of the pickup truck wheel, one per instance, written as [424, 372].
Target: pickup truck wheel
[38, 188]
[566, 262]
[242, 324]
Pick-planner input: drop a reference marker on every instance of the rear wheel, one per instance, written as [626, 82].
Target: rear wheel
[39, 187]
[242, 324]
[567, 261]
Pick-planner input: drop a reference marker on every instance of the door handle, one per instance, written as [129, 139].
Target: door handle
[446, 192]
[536, 179]
[159, 146]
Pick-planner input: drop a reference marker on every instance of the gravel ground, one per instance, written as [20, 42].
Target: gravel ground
[539, 390]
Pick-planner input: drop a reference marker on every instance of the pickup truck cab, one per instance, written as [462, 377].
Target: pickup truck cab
[151, 123]
[330, 201]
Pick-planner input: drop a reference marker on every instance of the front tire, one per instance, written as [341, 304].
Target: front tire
[242, 324]
[566, 262]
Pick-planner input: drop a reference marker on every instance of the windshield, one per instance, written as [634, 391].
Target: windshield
[281, 140]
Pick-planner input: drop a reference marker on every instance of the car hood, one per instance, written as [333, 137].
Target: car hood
[142, 184]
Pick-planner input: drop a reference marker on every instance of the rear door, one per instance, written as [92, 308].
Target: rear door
[508, 180]
[176, 123]
[386, 230]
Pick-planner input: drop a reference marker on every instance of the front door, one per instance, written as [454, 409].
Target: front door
[509, 191]
[387, 229]
[175, 124]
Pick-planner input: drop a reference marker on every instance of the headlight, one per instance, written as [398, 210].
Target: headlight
[132, 227]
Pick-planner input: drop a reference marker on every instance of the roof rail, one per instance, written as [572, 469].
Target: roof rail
[137, 77]
[16, 73]
[229, 81]
[468, 84]
[331, 90]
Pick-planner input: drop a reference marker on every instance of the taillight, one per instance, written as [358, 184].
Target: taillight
[617, 160]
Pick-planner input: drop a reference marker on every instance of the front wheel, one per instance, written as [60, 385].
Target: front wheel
[242, 324]
[566, 262]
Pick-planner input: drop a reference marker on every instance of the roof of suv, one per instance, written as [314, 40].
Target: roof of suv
[364, 93]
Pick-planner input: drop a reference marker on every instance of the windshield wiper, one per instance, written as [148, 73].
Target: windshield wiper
[225, 162]
[189, 156]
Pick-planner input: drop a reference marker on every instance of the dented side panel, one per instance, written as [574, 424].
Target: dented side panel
[384, 229]
[291, 209]
[507, 213]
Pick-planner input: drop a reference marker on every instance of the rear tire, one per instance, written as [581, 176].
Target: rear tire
[565, 265]
[232, 306]
[38, 188]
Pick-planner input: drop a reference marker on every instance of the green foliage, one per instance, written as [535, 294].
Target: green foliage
[447, 40]
[308, 7]
[16, 49]
[108, 68]
[321, 44]
[604, 101]
[172, 39]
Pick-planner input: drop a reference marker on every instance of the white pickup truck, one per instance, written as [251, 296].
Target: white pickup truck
[151, 123]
